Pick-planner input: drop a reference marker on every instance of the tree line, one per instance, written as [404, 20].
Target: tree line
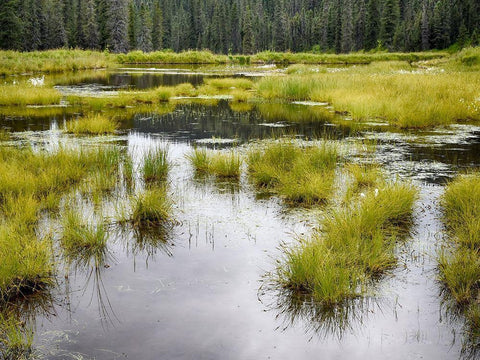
[239, 26]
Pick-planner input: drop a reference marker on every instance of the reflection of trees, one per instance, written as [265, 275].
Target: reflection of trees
[323, 321]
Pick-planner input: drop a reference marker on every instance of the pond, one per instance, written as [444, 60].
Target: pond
[200, 289]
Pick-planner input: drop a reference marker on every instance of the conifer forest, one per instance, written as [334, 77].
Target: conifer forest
[239, 26]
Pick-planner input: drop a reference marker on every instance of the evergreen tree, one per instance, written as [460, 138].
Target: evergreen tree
[157, 26]
[10, 25]
[372, 24]
[389, 22]
[117, 26]
[144, 34]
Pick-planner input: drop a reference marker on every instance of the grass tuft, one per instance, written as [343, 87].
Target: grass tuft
[92, 124]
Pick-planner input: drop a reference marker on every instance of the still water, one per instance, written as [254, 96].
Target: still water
[200, 289]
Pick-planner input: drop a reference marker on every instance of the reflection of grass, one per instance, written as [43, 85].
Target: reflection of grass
[459, 266]
[300, 175]
[15, 339]
[92, 124]
[220, 165]
[356, 244]
[295, 113]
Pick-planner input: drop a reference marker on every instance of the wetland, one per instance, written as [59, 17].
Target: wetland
[241, 211]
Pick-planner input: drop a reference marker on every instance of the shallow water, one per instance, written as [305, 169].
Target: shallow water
[200, 291]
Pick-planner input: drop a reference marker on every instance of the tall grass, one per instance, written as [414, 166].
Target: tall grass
[81, 238]
[92, 124]
[218, 164]
[355, 245]
[152, 207]
[16, 339]
[14, 62]
[398, 98]
[22, 94]
[155, 165]
[27, 262]
[459, 262]
[300, 175]
[29, 183]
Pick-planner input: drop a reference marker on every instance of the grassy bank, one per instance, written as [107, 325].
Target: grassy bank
[50, 61]
[407, 100]
[220, 165]
[459, 262]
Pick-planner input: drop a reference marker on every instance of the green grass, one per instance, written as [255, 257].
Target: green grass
[155, 165]
[355, 245]
[370, 93]
[16, 339]
[169, 57]
[219, 164]
[152, 207]
[81, 239]
[27, 262]
[14, 62]
[24, 94]
[459, 262]
[300, 175]
[92, 124]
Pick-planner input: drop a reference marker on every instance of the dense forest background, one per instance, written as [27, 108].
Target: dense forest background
[239, 26]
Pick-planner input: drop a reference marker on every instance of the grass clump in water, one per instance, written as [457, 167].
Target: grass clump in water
[155, 165]
[220, 165]
[152, 207]
[23, 94]
[355, 245]
[301, 175]
[26, 261]
[80, 238]
[92, 124]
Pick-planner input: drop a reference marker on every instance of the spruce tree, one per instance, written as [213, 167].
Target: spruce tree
[10, 25]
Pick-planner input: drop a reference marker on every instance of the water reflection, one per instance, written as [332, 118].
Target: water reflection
[318, 320]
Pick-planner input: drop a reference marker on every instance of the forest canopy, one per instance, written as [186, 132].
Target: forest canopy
[239, 26]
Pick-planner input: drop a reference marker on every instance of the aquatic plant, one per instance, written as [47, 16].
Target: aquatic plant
[218, 164]
[155, 165]
[26, 261]
[300, 175]
[459, 262]
[354, 246]
[92, 124]
[397, 98]
[16, 339]
[151, 207]
[24, 94]
[81, 238]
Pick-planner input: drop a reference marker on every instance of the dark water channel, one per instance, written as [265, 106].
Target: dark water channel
[201, 292]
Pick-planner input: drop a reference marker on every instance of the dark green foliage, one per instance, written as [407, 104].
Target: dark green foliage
[239, 26]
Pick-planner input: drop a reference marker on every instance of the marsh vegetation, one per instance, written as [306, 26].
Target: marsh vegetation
[319, 168]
